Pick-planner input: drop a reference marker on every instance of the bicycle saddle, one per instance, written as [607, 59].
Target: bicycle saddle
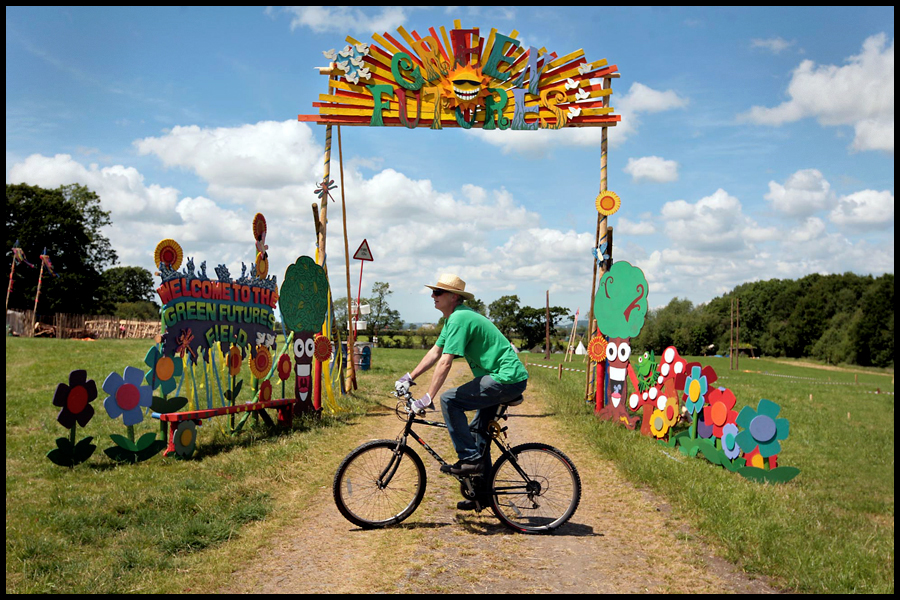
[516, 401]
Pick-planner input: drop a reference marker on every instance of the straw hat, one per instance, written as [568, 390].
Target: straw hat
[451, 283]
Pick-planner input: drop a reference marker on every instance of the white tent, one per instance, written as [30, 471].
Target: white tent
[580, 349]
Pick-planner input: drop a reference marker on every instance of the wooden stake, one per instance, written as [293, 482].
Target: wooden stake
[38, 294]
[602, 228]
[547, 355]
[351, 369]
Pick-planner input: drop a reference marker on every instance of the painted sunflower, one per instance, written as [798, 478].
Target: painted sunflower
[608, 203]
[168, 252]
[261, 364]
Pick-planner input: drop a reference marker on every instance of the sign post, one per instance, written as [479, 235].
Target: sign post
[362, 254]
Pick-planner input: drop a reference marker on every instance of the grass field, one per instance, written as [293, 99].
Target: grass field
[102, 527]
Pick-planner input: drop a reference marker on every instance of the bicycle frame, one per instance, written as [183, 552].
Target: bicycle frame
[388, 473]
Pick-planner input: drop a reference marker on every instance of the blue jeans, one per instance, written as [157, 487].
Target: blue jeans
[484, 395]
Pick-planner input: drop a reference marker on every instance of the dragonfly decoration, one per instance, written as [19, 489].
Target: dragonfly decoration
[324, 189]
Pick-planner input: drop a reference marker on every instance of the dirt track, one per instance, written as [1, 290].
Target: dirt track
[620, 540]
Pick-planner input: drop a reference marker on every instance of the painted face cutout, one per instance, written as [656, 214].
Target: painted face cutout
[304, 348]
[618, 351]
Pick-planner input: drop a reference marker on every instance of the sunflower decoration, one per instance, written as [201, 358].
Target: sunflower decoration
[597, 348]
[262, 257]
[265, 391]
[465, 88]
[235, 360]
[261, 364]
[168, 252]
[284, 367]
[323, 348]
[608, 203]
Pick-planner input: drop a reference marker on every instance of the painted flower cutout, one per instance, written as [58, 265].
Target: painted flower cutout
[169, 253]
[284, 367]
[704, 428]
[164, 370]
[670, 412]
[261, 364]
[659, 425]
[597, 348]
[695, 388]
[719, 410]
[323, 348]
[75, 399]
[235, 360]
[608, 203]
[729, 441]
[265, 391]
[762, 428]
[754, 459]
[127, 395]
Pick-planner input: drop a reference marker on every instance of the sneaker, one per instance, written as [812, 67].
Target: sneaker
[464, 468]
[466, 505]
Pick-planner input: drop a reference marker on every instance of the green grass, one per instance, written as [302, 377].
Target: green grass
[169, 525]
[829, 530]
[103, 527]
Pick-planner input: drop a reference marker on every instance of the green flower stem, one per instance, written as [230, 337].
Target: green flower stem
[72, 435]
[693, 429]
[131, 433]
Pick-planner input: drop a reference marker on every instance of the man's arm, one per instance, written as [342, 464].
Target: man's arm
[427, 362]
[440, 374]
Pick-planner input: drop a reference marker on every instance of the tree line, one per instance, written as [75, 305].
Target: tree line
[846, 318]
[67, 222]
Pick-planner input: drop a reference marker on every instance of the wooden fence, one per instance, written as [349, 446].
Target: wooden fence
[63, 325]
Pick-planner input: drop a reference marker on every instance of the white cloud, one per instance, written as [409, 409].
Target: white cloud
[774, 45]
[860, 93]
[340, 19]
[653, 169]
[868, 209]
[804, 193]
[121, 189]
[714, 224]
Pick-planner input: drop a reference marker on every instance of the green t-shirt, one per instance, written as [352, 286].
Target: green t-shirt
[471, 335]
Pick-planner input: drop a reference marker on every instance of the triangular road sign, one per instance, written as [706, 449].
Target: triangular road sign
[363, 252]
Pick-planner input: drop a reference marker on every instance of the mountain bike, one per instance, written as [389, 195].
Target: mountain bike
[531, 488]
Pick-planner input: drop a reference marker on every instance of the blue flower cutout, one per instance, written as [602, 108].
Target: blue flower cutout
[761, 428]
[127, 395]
[695, 388]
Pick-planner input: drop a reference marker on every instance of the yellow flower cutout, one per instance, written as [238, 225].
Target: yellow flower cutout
[169, 253]
[659, 426]
[262, 265]
[608, 203]
[597, 348]
[261, 364]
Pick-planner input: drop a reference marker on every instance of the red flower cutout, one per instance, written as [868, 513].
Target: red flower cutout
[75, 399]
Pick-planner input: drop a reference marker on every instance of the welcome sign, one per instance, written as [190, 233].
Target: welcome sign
[462, 79]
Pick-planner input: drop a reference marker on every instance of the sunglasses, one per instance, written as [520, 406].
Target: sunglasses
[437, 293]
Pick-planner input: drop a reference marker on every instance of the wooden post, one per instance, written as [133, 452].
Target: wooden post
[602, 227]
[737, 358]
[38, 294]
[547, 354]
[351, 369]
[731, 339]
[559, 373]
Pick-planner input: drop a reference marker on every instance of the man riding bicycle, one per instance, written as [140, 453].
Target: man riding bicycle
[499, 375]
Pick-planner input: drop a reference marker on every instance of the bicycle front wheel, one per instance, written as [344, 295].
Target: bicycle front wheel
[375, 487]
[537, 490]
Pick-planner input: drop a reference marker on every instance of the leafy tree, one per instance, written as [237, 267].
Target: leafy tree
[128, 284]
[502, 312]
[531, 323]
[67, 222]
[381, 315]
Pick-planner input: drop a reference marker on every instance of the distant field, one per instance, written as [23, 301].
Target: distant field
[102, 528]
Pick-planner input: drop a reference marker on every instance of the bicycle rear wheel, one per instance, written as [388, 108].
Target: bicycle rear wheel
[374, 487]
[536, 492]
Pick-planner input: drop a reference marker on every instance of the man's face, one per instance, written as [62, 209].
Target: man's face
[443, 301]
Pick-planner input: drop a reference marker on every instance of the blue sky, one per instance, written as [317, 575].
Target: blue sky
[754, 144]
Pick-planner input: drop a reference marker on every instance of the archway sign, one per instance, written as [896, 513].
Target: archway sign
[460, 78]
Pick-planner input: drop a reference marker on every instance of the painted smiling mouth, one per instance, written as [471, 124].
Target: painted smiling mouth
[303, 381]
[617, 373]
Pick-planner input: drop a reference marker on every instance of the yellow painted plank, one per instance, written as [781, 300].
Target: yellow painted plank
[447, 46]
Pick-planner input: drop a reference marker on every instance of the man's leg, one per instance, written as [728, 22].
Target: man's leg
[482, 394]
